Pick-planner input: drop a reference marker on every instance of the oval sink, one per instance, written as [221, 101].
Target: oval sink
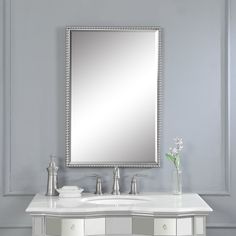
[112, 200]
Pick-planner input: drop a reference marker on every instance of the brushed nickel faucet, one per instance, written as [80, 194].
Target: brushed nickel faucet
[116, 177]
[133, 187]
[98, 186]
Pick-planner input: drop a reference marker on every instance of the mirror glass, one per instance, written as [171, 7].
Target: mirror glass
[112, 96]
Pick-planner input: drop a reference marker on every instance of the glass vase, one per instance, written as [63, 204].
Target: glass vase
[177, 182]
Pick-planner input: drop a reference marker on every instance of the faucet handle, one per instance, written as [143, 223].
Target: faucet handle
[98, 186]
[133, 188]
[98, 190]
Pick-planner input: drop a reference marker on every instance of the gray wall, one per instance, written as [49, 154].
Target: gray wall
[199, 103]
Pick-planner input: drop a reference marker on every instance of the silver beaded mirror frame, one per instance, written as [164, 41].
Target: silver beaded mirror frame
[113, 96]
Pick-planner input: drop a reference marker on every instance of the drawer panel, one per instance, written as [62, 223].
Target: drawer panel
[53, 226]
[199, 225]
[118, 225]
[184, 226]
[165, 226]
[72, 227]
[143, 225]
[95, 226]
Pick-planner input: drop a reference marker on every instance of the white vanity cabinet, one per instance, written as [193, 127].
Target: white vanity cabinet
[59, 226]
[52, 216]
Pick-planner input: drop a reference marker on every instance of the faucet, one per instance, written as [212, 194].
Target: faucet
[116, 176]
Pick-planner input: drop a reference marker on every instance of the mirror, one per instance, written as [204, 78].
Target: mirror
[113, 96]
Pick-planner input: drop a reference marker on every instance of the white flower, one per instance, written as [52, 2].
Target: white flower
[179, 143]
[174, 151]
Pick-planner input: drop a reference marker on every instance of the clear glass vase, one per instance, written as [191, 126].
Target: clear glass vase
[177, 182]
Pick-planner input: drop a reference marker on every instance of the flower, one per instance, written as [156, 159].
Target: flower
[179, 143]
[174, 152]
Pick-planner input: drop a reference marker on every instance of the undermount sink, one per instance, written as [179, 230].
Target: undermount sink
[115, 200]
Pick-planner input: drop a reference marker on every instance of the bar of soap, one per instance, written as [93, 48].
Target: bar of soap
[70, 188]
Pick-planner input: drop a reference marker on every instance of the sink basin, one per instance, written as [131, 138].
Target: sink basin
[116, 200]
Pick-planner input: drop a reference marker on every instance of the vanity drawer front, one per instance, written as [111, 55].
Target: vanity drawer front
[64, 227]
[118, 225]
[184, 226]
[95, 226]
[72, 227]
[53, 226]
[143, 225]
[165, 226]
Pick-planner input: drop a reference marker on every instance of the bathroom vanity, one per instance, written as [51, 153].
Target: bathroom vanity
[113, 104]
[156, 214]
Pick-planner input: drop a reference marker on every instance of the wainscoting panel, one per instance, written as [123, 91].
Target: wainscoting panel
[15, 231]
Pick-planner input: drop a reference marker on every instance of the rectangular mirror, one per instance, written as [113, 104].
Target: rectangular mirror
[113, 96]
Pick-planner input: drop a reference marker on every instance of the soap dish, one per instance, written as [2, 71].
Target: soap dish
[70, 191]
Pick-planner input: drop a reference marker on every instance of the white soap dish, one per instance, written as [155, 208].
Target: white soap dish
[70, 191]
[68, 195]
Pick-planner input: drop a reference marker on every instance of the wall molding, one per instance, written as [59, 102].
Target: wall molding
[221, 226]
[225, 82]
[7, 82]
[215, 194]
[16, 227]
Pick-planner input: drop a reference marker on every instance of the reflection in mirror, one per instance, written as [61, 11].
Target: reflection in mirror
[112, 96]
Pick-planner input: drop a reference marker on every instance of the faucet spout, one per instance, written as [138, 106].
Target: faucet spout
[116, 177]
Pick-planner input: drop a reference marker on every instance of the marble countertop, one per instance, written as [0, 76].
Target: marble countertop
[153, 204]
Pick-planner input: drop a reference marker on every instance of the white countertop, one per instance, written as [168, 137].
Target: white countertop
[154, 204]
